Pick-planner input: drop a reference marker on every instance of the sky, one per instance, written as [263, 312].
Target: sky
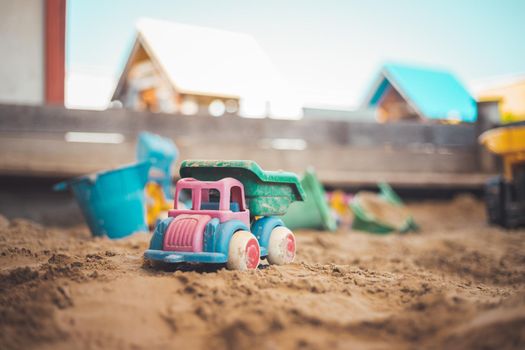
[328, 51]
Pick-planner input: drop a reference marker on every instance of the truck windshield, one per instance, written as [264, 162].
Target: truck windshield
[211, 199]
[185, 200]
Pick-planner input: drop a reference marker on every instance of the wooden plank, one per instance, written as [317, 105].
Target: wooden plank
[32, 140]
[56, 119]
[405, 179]
[35, 154]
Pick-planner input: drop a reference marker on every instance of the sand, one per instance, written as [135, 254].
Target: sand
[457, 284]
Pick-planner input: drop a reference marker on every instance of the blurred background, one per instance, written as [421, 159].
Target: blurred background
[363, 92]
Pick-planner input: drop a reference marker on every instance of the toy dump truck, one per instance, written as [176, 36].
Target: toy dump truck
[232, 216]
[505, 194]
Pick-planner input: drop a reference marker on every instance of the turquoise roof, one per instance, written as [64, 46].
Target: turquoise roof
[434, 94]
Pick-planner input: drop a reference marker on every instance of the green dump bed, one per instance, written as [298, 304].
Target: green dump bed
[267, 193]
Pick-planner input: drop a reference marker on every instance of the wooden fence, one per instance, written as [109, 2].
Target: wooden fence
[36, 140]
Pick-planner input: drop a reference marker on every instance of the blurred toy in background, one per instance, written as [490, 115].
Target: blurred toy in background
[112, 201]
[162, 153]
[381, 213]
[125, 200]
[156, 204]
[339, 202]
[233, 217]
[505, 194]
[313, 212]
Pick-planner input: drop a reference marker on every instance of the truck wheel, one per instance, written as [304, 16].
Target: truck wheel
[281, 247]
[244, 252]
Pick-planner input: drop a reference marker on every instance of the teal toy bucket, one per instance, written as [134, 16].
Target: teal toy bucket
[162, 153]
[112, 201]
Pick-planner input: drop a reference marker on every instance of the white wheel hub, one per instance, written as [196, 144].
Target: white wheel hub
[244, 252]
[281, 248]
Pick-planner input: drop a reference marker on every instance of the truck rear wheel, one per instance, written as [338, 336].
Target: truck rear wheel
[281, 247]
[244, 251]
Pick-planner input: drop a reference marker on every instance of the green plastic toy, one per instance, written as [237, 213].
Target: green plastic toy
[313, 212]
[366, 220]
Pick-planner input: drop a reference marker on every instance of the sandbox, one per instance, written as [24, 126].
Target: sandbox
[458, 283]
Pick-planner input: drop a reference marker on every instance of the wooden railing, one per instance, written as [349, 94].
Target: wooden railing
[36, 140]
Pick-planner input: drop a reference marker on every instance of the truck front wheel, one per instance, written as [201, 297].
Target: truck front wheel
[281, 247]
[244, 251]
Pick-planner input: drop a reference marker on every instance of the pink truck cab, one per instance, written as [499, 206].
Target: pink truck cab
[223, 199]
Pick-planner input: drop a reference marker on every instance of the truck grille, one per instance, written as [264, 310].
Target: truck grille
[185, 233]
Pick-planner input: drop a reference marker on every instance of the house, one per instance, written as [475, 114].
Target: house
[32, 36]
[402, 92]
[179, 68]
[510, 92]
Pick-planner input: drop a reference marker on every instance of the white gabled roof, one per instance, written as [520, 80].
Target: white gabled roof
[207, 61]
